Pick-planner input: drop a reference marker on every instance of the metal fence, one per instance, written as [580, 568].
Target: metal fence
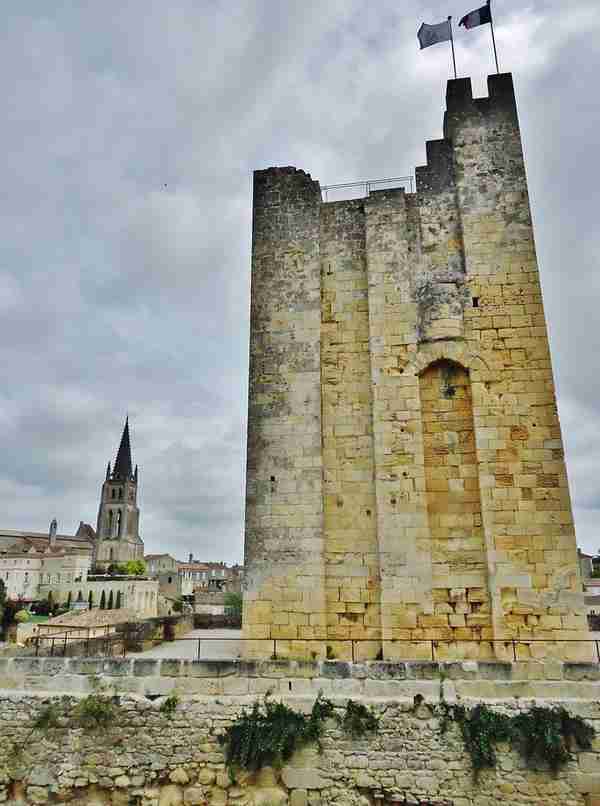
[364, 188]
[122, 644]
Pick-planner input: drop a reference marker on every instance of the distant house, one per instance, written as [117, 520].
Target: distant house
[30, 559]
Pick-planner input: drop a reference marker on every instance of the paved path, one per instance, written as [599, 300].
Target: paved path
[223, 648]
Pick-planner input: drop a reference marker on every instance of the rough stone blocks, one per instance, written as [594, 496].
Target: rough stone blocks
[406, 486]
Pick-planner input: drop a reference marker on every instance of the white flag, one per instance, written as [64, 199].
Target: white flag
[432, 34]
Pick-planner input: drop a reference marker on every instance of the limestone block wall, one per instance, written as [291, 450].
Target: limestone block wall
[285, 596]
[151, 759]
[406, 477]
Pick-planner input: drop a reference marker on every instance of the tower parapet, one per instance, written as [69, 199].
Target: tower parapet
[406, 480]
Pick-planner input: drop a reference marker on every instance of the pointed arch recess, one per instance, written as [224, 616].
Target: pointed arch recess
[453, 496]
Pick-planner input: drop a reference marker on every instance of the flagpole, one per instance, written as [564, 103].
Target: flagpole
[452, 43]
[493, 37]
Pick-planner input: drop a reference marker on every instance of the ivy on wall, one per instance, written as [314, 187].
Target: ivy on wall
[269, 734]
[541, 734]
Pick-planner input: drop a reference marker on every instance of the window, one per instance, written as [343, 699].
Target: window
[119, 519]
[120, 493]
[113, 493]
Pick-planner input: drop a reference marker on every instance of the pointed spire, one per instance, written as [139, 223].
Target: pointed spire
[122, 469]
[108, 472]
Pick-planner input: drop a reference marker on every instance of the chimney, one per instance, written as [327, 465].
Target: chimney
[52, 532]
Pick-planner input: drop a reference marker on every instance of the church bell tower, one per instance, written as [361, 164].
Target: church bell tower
[117, 533]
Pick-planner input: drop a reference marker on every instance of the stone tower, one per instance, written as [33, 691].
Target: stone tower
[117, 535]
[406, 482]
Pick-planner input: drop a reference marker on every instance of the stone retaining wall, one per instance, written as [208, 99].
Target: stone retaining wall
[147, 758]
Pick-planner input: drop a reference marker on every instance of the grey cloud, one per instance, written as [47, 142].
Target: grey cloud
[120, 294]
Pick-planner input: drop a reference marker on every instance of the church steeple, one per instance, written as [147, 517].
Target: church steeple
[118, 538]
[123, 469]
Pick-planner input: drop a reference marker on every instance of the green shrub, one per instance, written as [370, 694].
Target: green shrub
[48, 717]
[547, 734]
[540, 734]
[95, 711]
[269, 734]
[234, 605]
[359, 720]
[22, 616]
[169, 706]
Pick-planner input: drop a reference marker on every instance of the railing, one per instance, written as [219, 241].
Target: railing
[365, 187]
[59, 643]
[109, 643]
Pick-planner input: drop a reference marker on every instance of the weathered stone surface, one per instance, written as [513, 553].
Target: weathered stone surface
[170, 795]
[406, 485]
[194, 796]
[37, 794]
[206, 776]
[302, 778]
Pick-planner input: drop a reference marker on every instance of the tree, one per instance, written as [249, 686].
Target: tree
[69, 601]
[10, 609]
[79, 596]
[21, 616]
[50, 602]
[90, 601]
[178, 605]
[119, 598]
[111, 601]
[233, 605]
[135, 568]
[114, 569]
[103, 601]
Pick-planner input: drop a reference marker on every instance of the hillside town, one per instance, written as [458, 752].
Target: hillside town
[105, 568]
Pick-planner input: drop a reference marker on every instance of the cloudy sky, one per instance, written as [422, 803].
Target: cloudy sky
[130, 133]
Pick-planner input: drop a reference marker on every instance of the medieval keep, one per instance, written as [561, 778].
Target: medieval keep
[406, 482]
[117, 534]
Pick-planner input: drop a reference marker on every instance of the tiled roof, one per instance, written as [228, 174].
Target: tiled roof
[93, 618]
[41, 536]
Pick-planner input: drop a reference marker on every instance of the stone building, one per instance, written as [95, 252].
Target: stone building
[30, 559]
[160, 564]
[406, 481]
[117, 534]
[137, 594]
[179, 579]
